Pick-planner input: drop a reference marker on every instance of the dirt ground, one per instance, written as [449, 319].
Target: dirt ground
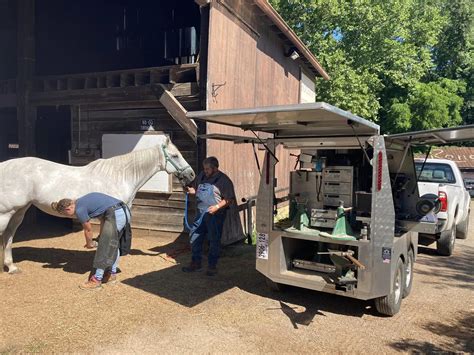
[156, 307]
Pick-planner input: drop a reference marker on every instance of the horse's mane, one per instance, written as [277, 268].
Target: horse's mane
[128, 166]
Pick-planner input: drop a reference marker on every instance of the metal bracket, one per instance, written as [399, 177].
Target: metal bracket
[215, 88]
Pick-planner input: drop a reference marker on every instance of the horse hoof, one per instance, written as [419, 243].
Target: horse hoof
[14, 271]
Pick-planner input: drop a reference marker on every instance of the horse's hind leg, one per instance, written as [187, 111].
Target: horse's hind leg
[4, 220]
[8, 235]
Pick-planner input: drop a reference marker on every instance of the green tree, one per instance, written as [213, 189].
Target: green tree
[454, 54]
[429, 105]
[386, 59]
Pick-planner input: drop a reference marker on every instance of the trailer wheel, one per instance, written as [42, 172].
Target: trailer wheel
[274, 286]
[462, 228]
[445, 243]
[390, 304]
[408, 273]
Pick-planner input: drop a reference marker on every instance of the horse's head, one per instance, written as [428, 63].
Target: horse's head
[175, 163]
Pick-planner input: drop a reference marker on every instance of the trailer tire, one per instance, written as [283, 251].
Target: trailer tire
[390, 305]
[462, 228]
[409, 273]
[274, 286]
[445, 243]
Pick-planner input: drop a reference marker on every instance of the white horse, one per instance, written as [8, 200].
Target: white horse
[32, 181]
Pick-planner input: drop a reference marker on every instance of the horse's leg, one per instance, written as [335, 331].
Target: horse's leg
[8, 235]
[4, 220]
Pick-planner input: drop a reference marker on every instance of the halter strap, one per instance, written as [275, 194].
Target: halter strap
[168, 160]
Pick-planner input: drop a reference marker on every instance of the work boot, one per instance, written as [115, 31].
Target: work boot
[109, 278]
[211, 270]
[92, 284]
[193, 267]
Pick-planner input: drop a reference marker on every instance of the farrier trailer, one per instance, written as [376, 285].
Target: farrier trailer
[355, 212]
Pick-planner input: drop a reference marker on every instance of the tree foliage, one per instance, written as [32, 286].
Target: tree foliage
[406, 64]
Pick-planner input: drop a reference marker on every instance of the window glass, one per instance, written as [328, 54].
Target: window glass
[434, 172]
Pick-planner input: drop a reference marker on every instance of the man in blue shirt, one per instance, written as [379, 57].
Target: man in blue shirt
[114, 218]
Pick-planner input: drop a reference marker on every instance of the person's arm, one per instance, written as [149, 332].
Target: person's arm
[87, 226]
[228, 196]
[222, 204]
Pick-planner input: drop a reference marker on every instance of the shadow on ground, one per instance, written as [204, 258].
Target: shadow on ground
[237, 269]
[454, 270]
[72, 261]
[459, 335]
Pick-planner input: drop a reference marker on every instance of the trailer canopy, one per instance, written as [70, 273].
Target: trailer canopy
[317, 119]
[436, 136]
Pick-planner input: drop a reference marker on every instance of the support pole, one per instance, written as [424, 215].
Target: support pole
[26, 114]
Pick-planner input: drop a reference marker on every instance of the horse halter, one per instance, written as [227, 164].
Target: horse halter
[179, 171]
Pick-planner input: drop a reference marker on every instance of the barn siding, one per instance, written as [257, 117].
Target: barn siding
[247, 68]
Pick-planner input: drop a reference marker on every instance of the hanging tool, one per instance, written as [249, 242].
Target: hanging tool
[297, 160]
[319, 167]
[346, 254]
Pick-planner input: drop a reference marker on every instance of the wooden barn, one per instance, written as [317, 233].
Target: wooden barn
[78, 75]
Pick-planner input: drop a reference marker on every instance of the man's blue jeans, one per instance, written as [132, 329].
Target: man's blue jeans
[120, 221]
[209, 226]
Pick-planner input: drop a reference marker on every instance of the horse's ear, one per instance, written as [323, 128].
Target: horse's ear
[167, 140]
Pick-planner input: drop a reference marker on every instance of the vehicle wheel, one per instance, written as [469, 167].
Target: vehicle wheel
[445, 243]
[463, 228]
[408, 273]
[274, 286]
[390, 304]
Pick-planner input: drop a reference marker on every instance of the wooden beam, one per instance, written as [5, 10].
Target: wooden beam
[202, 2]
[183, 75]
[10, 100]
[176, 110]
[107, 95]
[190, 103]
[26, 115]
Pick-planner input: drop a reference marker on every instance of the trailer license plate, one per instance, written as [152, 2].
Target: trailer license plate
[262, 246]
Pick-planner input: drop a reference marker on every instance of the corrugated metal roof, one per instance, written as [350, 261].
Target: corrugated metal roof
[463, 156]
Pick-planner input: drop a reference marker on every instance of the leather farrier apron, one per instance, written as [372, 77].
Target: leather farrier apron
[111, 239]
